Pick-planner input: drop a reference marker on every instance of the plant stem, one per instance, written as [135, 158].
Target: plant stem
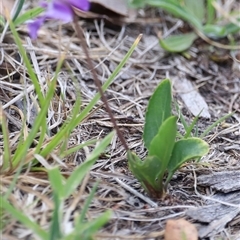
[97, 82]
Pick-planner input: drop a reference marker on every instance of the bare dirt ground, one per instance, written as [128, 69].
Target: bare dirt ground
[135, 215]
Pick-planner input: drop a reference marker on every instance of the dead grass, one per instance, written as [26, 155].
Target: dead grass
[135, 215]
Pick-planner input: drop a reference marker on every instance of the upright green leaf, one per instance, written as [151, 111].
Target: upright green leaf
[159, 109]
[184, 150]
[148, 172]
[163, 143]
[210, 12]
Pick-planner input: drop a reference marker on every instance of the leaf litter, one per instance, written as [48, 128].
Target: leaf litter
[135, 215]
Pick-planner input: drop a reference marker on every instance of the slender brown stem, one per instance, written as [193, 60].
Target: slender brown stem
[98, 83]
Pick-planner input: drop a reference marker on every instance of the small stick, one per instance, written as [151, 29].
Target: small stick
[98, 83]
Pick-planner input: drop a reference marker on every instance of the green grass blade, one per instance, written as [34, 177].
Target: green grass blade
[78, 147]
[44, 123]
[27, 63]
[21, 217]
[28, 15]
[215, 124]
[74, 122]
[182, 119]
[19, 8]
[87, 230]
[14, 181]
[6, 149]
[78, 174]
[81, 218]
[55, 229]
[190, 128]
[56, 181]
[75, 111]
[22, 149]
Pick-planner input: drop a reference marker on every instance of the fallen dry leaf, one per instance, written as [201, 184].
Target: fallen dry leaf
[114, 11]
[117, 6]
[180, 230]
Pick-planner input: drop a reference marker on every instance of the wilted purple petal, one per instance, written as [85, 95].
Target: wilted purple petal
[59, 10]
[34, 26]
[83, 5]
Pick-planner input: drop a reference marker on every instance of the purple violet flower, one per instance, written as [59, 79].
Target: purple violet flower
[59, 10]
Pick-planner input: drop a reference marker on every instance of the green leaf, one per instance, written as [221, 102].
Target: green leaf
[210, 12]
[147, 173]
[197, 8]
[137, 3]
[178, 43]
[175, 8]
[232, 28]
[162, 144]
[184, 150]
[158, 110]
[214, 31]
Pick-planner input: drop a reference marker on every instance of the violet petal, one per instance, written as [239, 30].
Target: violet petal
[83, 5]
[59, 10]
[34, 26]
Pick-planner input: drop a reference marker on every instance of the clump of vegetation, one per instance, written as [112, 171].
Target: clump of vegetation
[202, 16]
[166, 151]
